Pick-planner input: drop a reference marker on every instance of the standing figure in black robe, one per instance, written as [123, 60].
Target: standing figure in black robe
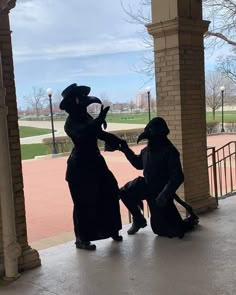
[163, 175]
[93, 187]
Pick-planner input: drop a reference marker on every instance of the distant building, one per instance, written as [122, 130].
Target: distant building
[141, 100]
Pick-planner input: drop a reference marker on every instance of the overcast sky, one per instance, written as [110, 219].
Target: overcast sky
[56, 43]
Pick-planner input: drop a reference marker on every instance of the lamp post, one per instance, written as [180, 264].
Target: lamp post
[222, 89]
[148, 89]
[49, 93]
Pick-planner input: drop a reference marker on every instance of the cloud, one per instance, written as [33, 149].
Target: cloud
[77, 50]
[50, 29]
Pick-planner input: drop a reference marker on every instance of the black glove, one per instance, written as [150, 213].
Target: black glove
[104, 124]
[102, 116]
[108, 148]
[123, 146]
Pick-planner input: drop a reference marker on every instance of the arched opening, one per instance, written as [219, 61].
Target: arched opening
[178, 30]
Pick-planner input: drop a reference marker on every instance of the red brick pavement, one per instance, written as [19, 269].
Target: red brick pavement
[47, 198]
[48, 202]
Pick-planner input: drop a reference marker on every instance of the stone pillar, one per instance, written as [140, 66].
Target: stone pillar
[177, 28]
[11, 249]
[29, 257]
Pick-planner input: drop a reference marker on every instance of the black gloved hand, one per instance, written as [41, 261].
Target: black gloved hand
[123, 146]
[104, 124]
[102, 115]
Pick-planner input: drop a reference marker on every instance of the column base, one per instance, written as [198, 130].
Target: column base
[29, 259]
[201, 205]
[204, 205]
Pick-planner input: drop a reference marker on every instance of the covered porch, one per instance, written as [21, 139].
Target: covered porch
[203, 263]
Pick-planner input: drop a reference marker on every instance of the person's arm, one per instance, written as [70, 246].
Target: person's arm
[111, 140]
[88, 128]
[176, 178]
[135, 160]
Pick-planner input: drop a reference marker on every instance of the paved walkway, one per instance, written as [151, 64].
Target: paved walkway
[59, 127]
[202, 263]
[48, 202]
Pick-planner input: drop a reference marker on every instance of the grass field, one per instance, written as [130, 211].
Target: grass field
[29, 151]
[229, 116]
[142, 118]
[32, 131]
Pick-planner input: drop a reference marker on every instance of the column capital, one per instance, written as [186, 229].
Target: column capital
[6, 6]
[178, 25]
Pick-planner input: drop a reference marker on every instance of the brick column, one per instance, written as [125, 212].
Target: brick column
[178, 28]
[29, 257]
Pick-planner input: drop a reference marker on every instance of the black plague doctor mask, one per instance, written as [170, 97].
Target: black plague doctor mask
[155, 132]
[76, 100]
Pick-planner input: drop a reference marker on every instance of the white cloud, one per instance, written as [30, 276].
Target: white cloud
[77, 50]
[50, 29]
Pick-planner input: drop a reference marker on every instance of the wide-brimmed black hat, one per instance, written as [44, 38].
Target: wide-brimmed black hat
[72, 91]
[157, 126]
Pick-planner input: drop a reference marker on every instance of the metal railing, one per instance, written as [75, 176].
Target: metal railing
[222, 169]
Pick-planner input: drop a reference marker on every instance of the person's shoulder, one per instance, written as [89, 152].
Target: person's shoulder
[173, 150]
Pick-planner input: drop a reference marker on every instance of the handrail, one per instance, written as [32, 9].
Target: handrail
[222, 169]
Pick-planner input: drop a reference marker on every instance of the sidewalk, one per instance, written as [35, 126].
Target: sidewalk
[59, 127]
[48, 202]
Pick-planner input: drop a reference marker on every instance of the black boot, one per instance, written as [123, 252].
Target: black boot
[137, 224]
[116, 237]
[190, 222]
[85, 245]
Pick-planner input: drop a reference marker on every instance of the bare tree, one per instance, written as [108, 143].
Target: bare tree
[214, 80]
[227, 65]
[36, 100]
[222, 31]
[221, 13]
[142, 16]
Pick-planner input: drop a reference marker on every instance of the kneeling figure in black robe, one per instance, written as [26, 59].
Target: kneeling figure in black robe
[162, 176]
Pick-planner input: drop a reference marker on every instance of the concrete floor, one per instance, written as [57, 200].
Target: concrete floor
[203, 263]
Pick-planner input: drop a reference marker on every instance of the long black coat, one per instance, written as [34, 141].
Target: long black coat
[163, 175]
[93, 187]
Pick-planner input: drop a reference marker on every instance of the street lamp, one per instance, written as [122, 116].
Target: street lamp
[222, 89]
[148, 89]
[49, 93]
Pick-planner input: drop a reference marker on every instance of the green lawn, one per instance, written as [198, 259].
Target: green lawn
[142, 118]
[229, 116]
[32, 131]
[29, 151]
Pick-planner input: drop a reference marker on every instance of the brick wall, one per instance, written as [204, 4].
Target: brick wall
[14, 143]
